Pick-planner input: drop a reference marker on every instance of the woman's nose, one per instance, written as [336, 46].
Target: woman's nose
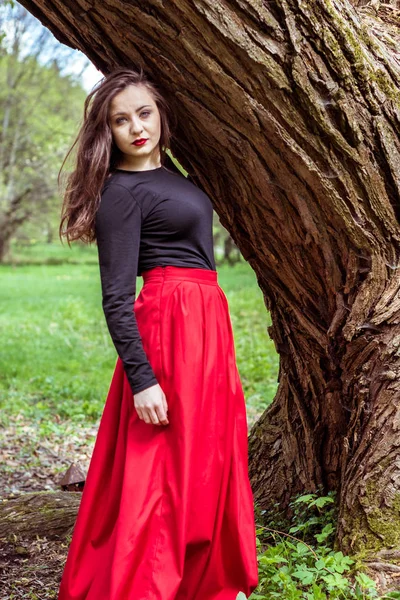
[136, 126]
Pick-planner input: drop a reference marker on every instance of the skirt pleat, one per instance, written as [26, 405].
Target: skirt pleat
[167, 511]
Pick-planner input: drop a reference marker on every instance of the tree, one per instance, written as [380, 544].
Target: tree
[39, 114]
[289, 115]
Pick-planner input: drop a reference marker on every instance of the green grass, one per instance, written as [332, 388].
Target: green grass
[40, 253]
[56, 355]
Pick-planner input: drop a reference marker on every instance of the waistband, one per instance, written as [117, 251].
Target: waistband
[180, 273]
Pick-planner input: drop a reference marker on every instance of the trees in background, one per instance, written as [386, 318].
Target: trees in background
[40, 109]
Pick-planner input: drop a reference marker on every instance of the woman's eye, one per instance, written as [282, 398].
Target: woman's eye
[146, 112]
[119, 120]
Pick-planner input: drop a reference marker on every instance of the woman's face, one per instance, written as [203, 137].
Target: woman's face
[133, 115]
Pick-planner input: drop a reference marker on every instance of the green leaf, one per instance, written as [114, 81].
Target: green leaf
[302, 548]
[320, 502]
[365, 582]
[306, 577]
[304, 499]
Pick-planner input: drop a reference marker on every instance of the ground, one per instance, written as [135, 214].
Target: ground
[32, 569]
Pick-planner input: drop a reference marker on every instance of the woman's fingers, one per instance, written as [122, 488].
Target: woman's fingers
[162, 415]
[151, 405]
[155, 415]
[165, 405]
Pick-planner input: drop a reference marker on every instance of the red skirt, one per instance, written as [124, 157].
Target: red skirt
[167, 510]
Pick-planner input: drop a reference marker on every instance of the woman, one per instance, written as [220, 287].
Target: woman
[167, 508]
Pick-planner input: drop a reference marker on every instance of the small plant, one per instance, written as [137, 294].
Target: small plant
[298, 562]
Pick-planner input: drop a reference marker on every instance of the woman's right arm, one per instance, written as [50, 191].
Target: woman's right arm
[117, 227]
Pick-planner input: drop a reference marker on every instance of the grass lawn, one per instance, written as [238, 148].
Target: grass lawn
[56, 355]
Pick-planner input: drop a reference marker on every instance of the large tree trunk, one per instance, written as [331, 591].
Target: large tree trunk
[288, 116]
[11, 219]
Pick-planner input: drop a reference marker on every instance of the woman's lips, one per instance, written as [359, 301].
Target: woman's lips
[139, 142]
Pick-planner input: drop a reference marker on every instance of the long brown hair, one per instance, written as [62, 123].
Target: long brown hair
[97, 155]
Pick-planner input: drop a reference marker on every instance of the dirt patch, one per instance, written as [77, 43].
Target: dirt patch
[31, 569]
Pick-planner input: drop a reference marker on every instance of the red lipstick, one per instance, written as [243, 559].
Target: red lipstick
[139, 142]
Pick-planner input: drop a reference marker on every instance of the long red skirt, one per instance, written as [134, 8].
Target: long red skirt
[167, 510]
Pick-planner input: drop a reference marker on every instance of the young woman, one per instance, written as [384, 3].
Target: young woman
[167, 508]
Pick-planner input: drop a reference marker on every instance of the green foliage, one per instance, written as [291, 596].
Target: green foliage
[300, 563]
[41, 110]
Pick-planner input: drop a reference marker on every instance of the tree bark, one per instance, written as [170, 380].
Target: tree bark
[11, 218]
[288, 117]
[52, 514]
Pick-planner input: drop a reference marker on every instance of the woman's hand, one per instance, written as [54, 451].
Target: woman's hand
[151, 405]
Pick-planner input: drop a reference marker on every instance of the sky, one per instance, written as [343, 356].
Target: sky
[90, 75]
[10, 20]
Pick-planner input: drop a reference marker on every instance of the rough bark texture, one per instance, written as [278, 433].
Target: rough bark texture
[288, 116]
[51, 514]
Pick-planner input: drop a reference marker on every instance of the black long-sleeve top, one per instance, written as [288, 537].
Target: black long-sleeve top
[145, 219]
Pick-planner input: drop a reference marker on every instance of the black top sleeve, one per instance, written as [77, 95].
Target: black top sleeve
[117, 227]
